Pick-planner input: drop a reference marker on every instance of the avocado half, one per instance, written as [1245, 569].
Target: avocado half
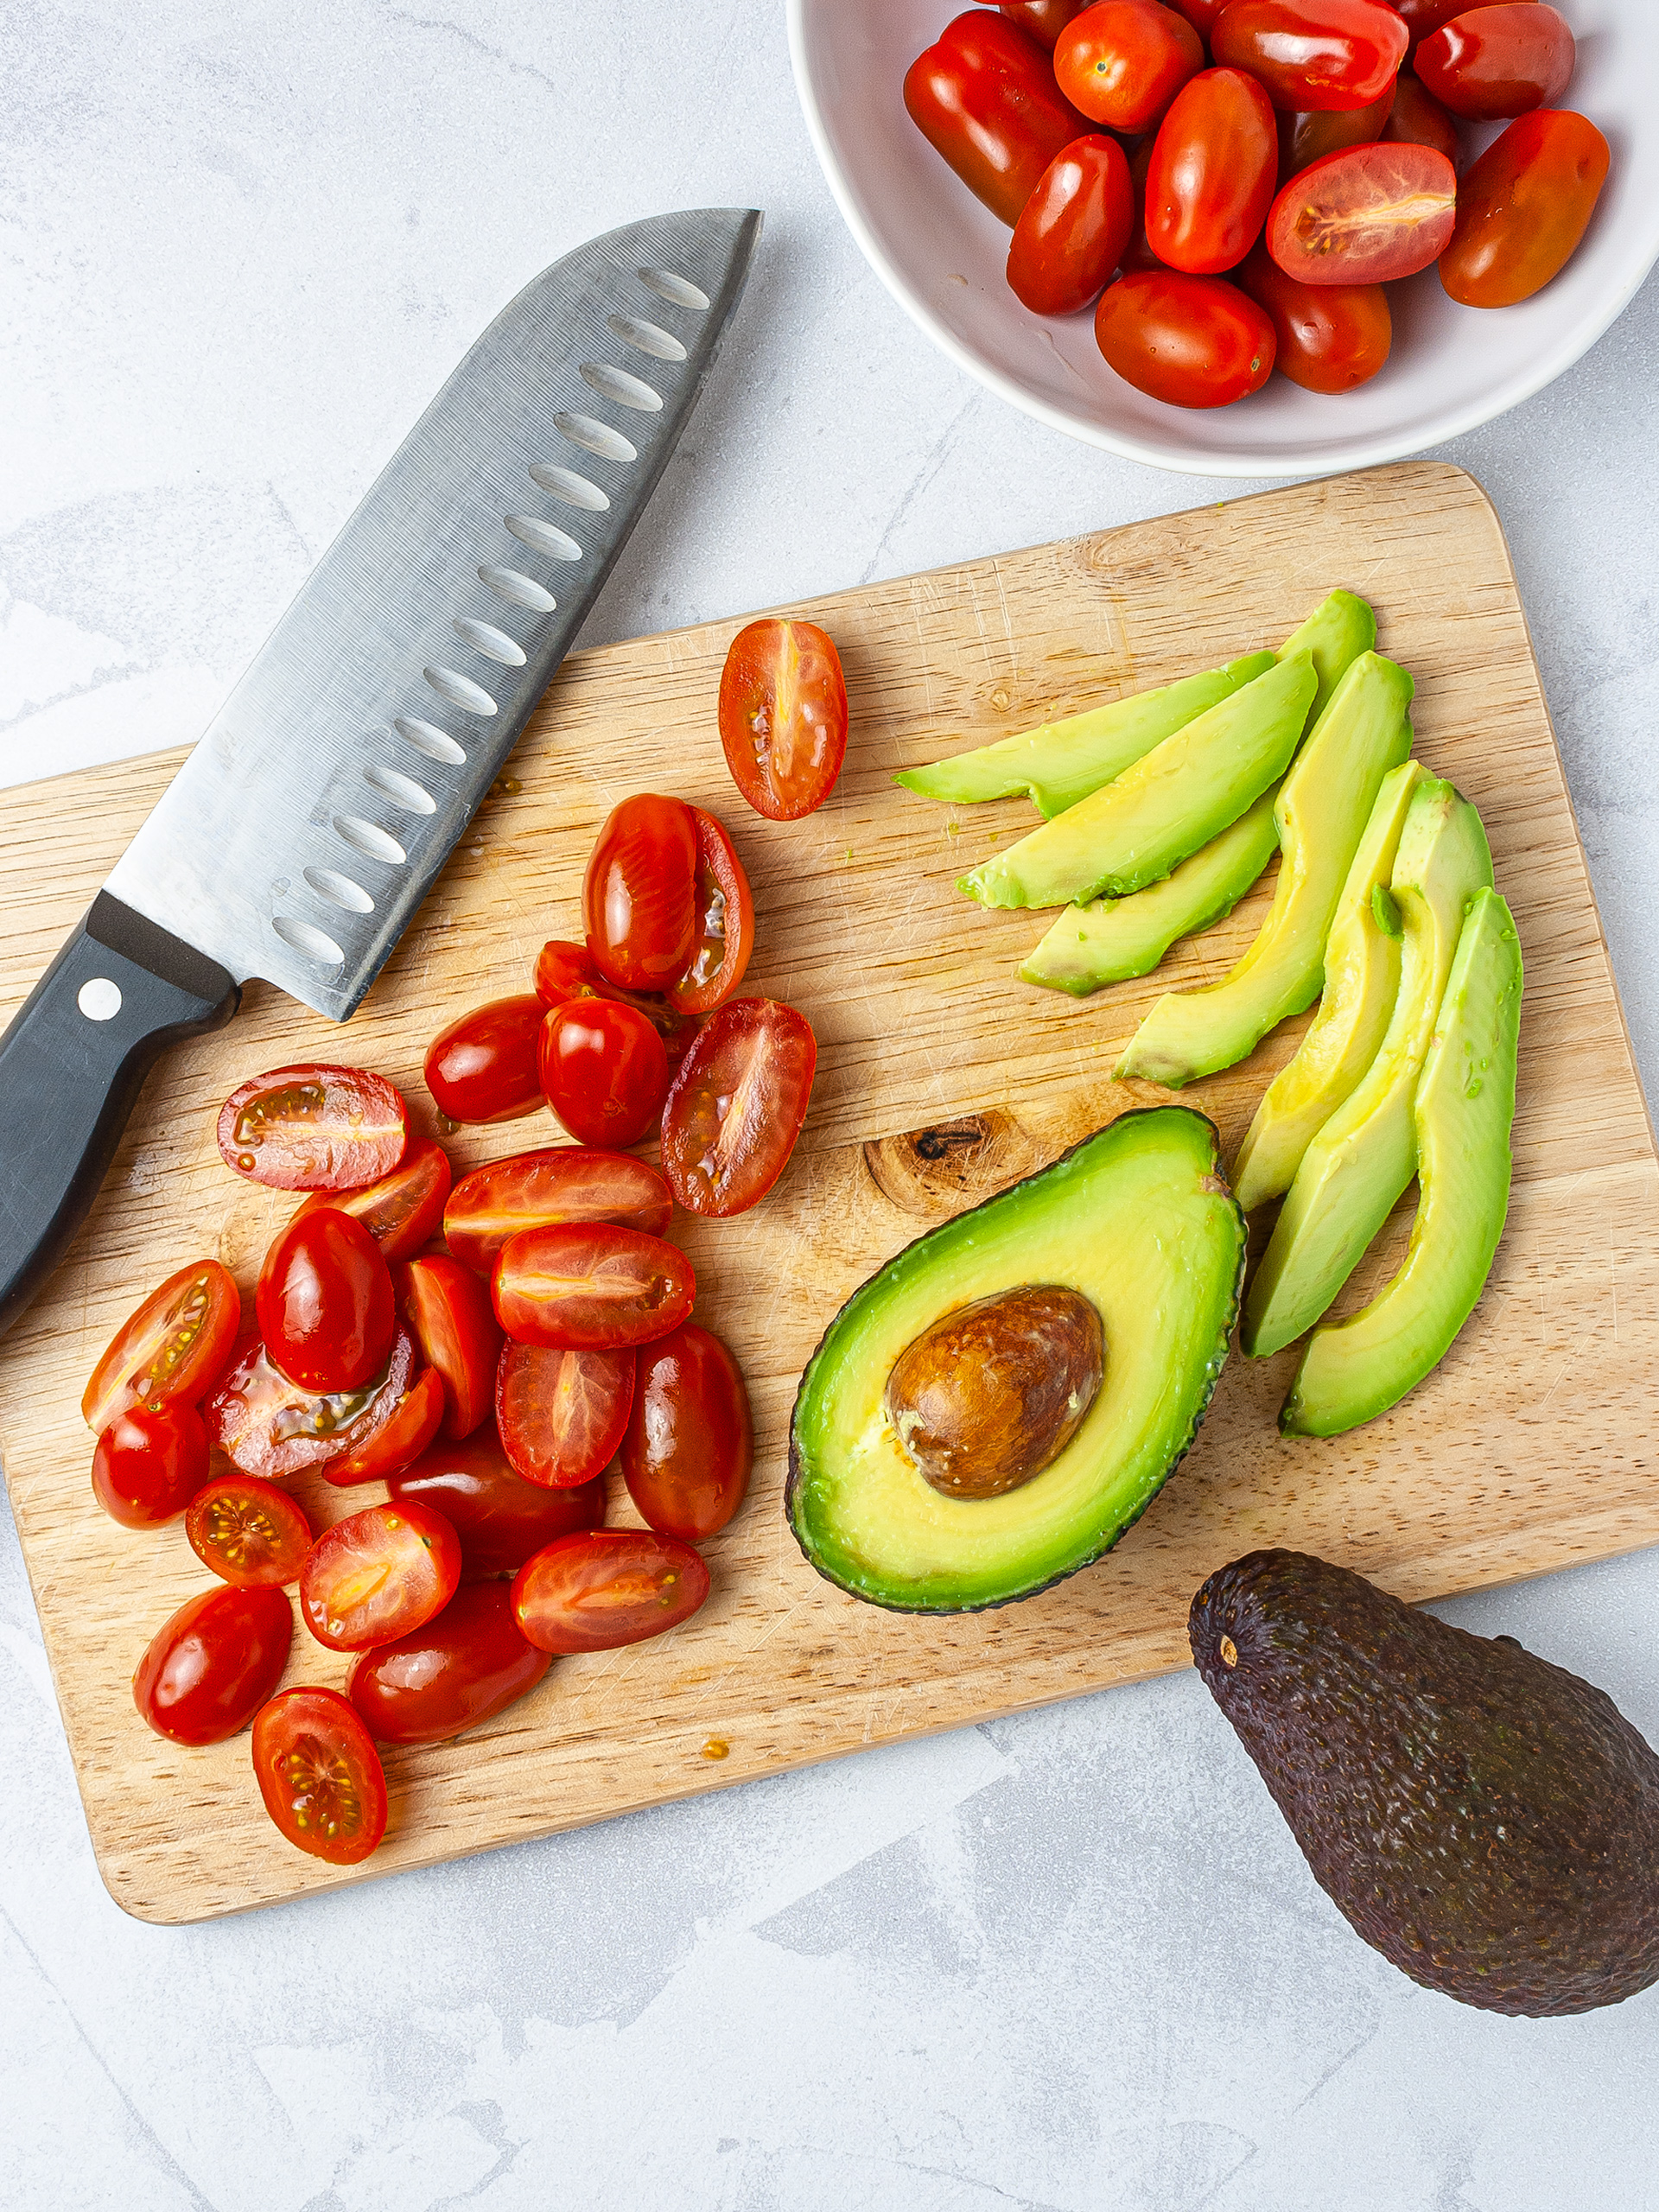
[1137, 1218]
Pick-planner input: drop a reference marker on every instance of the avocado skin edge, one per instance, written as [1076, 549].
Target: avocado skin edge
[1486, 1820]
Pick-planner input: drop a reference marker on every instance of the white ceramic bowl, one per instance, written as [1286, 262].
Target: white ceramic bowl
[942, 256]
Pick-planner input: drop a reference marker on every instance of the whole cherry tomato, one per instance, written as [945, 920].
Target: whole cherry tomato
[783, 714]
[1122, 62]
[736, 1106]
[457, 1672]
[1073, 230]
[402, 1210]
[1138, 255]
[211, 1667]
[149, 1462]
[377, 1574]
[174, 1346]
[612, 1586]
[314, 1128]
[1499, 62]
[268, 1427]
[320, 1776]
[248, 1532]
[1203, 14]
[1364, 216]
[1522, 208]
[499, 1517]
[589, 1287]
[639, 897]
[984, 97]
[413, 1422]
[560, 1415]
[1309, 137]
[690, 1440]
[1313, 53]
[1044, 19]
[566, 1183]
[1211, 181]
[1330, 337]
[1417, 119]
[566, 971]
[482, 1068]
[325, 1304]
[1191, 341]
[604, 1071]
[448, 1309]
[1424, 17]
[724, 936]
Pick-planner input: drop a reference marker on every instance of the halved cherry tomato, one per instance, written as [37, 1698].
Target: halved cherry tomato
[315, 1126]
[589, 1287]
[482, 1068]
[149, 1462]
[324, 1303]
[1073, 230]
[499, 1517]
[459, 1671]
[320, 1775]
[1522, 208]
[1191, 341]
[984, 98]
[401, 1438]
[1122, 62]
[402, 1210]
[736, 1106]
[725, 923]
[1499, 62]
[1330, 337]
[1364, 216]
[174, 1346]
[783, 717]
[612, 1586]
[377, 1574]
[604, 1071]
[1201, 14]
[248, 1532]
[448, 1309]
[566, 1183]
[566, 971]
[1210, 180]
[690, 1441]
[1308, 138]
[268, 1427]
[1313, 54]
[1417, 119]
[560, 1415]
[1043, 19]
[211, 1667]
[639, 897]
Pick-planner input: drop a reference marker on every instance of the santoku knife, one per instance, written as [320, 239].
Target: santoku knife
[313, 816]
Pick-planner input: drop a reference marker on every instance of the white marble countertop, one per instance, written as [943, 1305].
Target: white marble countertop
[1072, 1961]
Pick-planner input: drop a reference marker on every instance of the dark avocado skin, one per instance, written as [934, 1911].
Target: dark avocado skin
[1489, 1823]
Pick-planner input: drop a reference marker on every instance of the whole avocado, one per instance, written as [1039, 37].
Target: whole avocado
[1489, 1823]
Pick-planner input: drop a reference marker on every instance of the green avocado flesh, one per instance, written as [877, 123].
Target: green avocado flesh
[1059, 763]
[1363, 1159]
[1322, 807]
[1135, 830]
[1137, 1220]
[1335, 634]
[1465, 1104]
[1112, 939]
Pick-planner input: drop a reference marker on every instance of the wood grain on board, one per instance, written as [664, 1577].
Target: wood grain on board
[1533, 1445]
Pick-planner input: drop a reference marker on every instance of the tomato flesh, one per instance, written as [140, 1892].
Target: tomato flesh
[1191, 341]
[610, 1587]
[320, 1775]
[1044, 20]
[725, 923]
[149, 1462]
[590, 1286]
[1210, 180]
[248, 1532]
[783, 717]
[737, 1105]
[448, 1309]
[268, 1427]
[1365, 216]
[316, 1127]
[324, 1303]
[639, 897]
[560, 1415]
[1522, 208]
[1073, 230]
[500, 1517]
[533, 1189]
[413, 1422]
[211, 1667]
[603, 1070]
[402, 1211]
[459, 1671]
[1313, 53]
[689, 1445]
[1498, 61]
[1120, 62]
[377, 1574]
[1330, 337]
[984, 98]
[483, 1068]
[174, 1346]
[1417, 119]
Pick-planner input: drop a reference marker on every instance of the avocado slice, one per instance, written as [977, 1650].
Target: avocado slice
[1112, 939]
[1138, 1221]
[1134, 832]
[1489, 1823]
[1059, 763]
[1324, 806]
[1335, 634]
[1362, 977]
[1356, 1369]
[1365, 1155]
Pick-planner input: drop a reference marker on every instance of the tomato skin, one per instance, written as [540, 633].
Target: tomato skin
[604, 1071]
[984, 97]
[1120, 62]
[1212, 177]
[1498, 61]
[1203, 14]
[1044, 20]
[736, 1107]
[590, 1286]
[1313, 53]
[324, 1303]
[1417, 119]
[210, 1668]
[1308, 138]
[565, 1183]
[172, 1346]
[149, 1462]
[1364, 216]
[725, 925]
[268, 1427]
[783, 717]
[560, 1415]
[1522, 208]
[482, 1068]
[377, 1574]
[566, 971]
[612, 1586]
[459, 1671]
[689, 1447]
[402, 1210]
[1073, 230]
[248, 1532]
[413, 1422]
[500, 1517]
[320, 1775]
[448, 1309]
[1330, 337]
[639, 897]
[1191, 341]
[314, 1126]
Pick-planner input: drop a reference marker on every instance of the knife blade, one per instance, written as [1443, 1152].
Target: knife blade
[318, 808]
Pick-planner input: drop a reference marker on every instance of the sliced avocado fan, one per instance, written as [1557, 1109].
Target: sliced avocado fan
[1336, 633]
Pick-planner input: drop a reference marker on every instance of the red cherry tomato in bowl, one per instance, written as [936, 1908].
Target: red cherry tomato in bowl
[560, 1415]
[1073, 230]
[248, 1532]
[1191, 341]
[590, 1286]
[1120, 62]
[448, 1309]
[455, 1674]
[324, 1302]
[1365, 217]
[1044, 20]
[1330, 337]
[610, 1587]
[174, 1346]
[736, 1106]
[1203, 14]
[1498, 61]
[210, 1668]
[320, 1775]
[402, 1211]
[690, 1440]
[783, 717]
[315, 1126]
[1310, 137]
[984, 98]
[149, 1462]
[604, 1071]
[725, 925]
[268, 1427]
[1417, 119]
[639, 897]
[483, 1067]
[1522, 208]
[1210, 180]
[565, 1183]
[1313, 53]
[377, 1574]
[499, 1517]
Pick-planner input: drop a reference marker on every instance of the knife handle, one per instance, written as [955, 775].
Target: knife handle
[71, 1066]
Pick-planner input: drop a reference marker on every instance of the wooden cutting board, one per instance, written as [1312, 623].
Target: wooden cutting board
[941, 1078]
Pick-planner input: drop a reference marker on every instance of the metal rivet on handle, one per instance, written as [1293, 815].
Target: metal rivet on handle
[99, 998]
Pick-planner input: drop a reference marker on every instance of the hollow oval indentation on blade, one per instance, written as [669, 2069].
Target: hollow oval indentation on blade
[302, 936]
[595, 437]
[425, 737]
[402, 791]
[565, 483]
[459, 691]
[339, 890]
[484, 637]
[370, 839]
[543, 537]
[523, 591]
[678, 291]
[646, 337]
[618, 385]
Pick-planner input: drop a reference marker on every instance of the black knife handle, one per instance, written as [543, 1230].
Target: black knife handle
[71, 1066]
